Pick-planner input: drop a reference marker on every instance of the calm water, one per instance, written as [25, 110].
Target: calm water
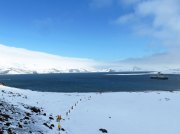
[90, 82]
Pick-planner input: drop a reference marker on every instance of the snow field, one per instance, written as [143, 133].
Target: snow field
[121, 112]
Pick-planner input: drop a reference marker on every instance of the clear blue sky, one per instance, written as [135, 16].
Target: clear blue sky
[73, 28]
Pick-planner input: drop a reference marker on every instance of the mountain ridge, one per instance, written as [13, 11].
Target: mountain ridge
[22, 61]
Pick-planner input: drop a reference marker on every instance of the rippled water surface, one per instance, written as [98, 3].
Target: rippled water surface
[91, 82]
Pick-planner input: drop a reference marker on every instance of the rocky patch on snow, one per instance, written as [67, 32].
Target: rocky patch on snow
[103, 130]
[29, 119]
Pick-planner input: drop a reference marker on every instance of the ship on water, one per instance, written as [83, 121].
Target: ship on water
[159, 76]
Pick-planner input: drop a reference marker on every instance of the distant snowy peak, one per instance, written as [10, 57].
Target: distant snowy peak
[21, 61]
[23, 71]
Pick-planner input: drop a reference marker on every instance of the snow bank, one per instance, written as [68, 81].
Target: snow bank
[21, 61]
[123, 112]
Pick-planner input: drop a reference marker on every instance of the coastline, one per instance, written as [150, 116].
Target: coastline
[120, 112]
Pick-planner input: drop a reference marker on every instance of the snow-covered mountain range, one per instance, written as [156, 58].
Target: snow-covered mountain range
[21, 61]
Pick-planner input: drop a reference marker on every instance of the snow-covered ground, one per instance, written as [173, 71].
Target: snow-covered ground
[118, 113]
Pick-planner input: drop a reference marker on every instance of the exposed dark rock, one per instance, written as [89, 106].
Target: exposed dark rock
[63, 129]
[11, 115]
[45, 124]
[9, 131]
[26, 122]
[3, 84]
[5, 116]
[26, 118]
[1, 132]
[27, 114]
[7, 124]
[35, 110]
[19, 125]
[1, 119]
[52, 125]
[103, 130]
[51, 118]
[40, 132]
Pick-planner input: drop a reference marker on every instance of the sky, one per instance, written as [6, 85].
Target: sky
[104, 30]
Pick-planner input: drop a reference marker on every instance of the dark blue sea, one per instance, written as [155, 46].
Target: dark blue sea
[92, 82]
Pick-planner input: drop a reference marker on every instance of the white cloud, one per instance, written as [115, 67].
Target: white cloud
[162, 58]
[159, 20]
[125, 18]
[156, 18]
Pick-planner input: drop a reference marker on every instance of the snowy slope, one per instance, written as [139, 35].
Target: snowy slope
[21, 61]
[16, 61]
[118, 113]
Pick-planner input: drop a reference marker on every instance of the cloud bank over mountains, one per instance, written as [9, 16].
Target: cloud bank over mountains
[157, 62]
[158, 20]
